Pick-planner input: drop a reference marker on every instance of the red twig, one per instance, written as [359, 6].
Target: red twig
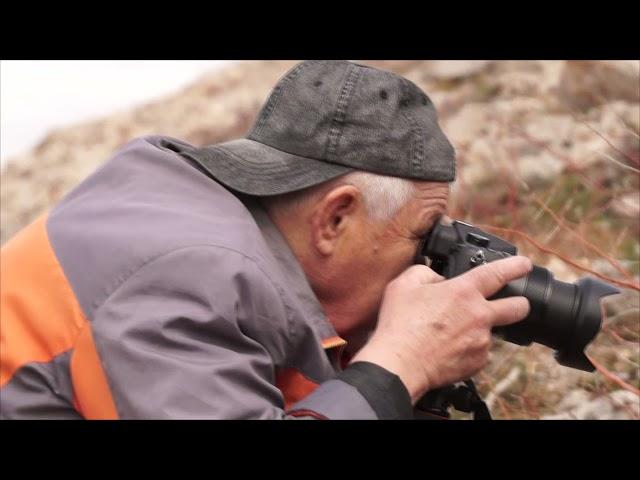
[506, 411]
[613, 378]
[622, 283]
[624, 405]
[614, 334]
[585, 242]
[632, 160]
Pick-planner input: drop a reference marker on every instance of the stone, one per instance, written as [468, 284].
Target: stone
[539, 170]
[627, 206]
[453, 69]
[619, 405]
[587, 83]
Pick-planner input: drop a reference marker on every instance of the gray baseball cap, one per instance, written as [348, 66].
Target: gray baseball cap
[326, 118]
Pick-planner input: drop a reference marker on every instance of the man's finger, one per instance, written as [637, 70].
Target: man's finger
[491, 277]
[509, 310]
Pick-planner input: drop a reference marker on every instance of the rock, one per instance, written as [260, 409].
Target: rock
[552, 129]
[561, 271]
[518, 84]
[574, 399]
[519, 108]
[617, 117]
[550, 76]
[619, 405]
[471, 122]
[453, 69]
[627, 206]
[539, 170]
[480, 163]
[614, 406]
[586, 83]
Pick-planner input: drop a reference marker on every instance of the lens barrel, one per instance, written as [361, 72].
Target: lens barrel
[564, 316]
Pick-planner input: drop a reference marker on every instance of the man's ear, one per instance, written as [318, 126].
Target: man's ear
[333, 215]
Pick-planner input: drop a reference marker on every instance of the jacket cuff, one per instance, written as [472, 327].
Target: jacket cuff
[383, 390]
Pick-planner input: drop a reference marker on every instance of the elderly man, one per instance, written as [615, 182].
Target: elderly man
[267, 277]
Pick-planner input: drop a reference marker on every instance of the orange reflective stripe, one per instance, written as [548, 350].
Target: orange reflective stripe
[40, 316]
[91, 390]
[333, 342]
[294, 386]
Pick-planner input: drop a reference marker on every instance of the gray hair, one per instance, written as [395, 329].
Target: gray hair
[383, 195]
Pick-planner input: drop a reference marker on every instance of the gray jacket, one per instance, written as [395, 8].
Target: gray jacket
[160, 294]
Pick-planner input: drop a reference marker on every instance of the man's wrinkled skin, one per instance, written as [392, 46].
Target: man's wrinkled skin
[406, 318]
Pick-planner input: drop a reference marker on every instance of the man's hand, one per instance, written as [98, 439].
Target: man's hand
[433, 332]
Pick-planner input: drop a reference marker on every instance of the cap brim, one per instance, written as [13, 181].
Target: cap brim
[257, 169]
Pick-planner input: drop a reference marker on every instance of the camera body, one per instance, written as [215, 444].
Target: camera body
[457, 248]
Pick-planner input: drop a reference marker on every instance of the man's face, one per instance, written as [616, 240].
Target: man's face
[376, 252]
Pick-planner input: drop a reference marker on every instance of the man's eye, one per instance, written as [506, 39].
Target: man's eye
[432, 224]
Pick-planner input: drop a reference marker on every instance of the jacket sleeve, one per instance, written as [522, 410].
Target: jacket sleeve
[178, 340]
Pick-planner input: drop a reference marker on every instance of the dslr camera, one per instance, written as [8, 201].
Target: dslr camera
[564, 316]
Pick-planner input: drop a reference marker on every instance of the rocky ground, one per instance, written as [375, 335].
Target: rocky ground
[548, 157]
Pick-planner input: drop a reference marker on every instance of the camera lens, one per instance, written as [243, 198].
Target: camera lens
[563, 316]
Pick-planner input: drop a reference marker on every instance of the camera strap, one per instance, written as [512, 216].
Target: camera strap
[465, 398]
[474, 403]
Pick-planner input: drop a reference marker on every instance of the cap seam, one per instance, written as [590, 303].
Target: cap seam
[275, 97]
[337, 123]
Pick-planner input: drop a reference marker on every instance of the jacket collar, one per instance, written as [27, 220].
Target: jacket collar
[296, 281]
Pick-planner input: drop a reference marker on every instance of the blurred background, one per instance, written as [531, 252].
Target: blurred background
[548, 157]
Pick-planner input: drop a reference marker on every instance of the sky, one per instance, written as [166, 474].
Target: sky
[38, 95]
